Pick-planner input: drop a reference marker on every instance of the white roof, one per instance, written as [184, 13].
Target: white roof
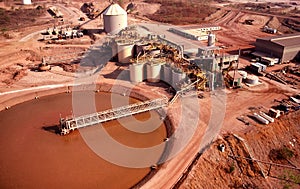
[114, 9]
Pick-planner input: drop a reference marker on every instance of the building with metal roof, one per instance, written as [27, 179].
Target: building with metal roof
[284, 47]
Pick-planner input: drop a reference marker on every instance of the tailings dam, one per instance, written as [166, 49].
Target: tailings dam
[34, 156]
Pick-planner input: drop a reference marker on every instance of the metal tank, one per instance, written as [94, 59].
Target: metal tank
[153, 72]
[167, 74]
[177, 77]
[211, 39]
[115, 18]
[136, 73]
[114, 49]
[125, 52]
[252, 79]
[26, 2]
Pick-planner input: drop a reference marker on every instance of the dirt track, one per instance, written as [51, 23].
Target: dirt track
[222, 171]
[235, 34]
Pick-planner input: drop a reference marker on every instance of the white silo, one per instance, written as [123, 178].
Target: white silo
[153, 72]
[211, 39]
[115, 18]
[26, 2]
[125, 52]
[136, 73]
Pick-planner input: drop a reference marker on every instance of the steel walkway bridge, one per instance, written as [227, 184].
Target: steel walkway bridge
[70, 124]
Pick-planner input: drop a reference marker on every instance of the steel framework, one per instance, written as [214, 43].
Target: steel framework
[67, 125]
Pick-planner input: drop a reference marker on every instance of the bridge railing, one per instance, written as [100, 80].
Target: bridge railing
[67, 125]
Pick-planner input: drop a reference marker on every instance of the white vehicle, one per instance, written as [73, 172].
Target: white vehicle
[269, 30]
[79, 34]
[74, 34]
[68, 34]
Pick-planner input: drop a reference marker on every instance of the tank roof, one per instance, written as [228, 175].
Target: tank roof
[114, 9]
[235, 75]
[254, 77]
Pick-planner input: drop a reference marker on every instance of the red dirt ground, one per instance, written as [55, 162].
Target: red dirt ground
[218, 169]
[16, 57]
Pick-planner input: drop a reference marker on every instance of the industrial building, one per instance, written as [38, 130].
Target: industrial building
[155, 58]
[284, 47]
[184, 33]
[198, 33]
[202, 29]
[208, 28]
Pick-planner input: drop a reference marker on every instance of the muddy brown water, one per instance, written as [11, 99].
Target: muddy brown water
[34, 157]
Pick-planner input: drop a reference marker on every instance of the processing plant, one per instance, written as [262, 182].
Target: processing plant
[155, 58]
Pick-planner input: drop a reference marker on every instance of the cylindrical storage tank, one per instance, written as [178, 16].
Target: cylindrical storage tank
[115, 18]
[26, 2]
[243, 74]
[136, 73]
[124, 52]
[261, 119]
[266, 117]
[114, 49]
[177, 77]
[252, 79]
[167, 77]
[153, 72]
[211, 39]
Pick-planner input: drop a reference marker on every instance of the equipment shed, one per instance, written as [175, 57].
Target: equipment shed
[284, 47]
